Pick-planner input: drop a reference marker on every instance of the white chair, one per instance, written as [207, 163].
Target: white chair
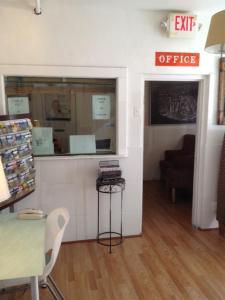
[56, 223]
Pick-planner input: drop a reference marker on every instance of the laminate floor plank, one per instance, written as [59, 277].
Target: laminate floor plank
[170, 261]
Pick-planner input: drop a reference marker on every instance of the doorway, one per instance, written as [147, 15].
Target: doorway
[161, 137]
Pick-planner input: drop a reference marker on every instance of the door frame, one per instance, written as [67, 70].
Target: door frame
[201, 132]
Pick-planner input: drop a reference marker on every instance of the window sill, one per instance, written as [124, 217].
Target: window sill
[80, 156]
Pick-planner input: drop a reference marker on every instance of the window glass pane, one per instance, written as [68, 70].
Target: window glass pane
[70, 115]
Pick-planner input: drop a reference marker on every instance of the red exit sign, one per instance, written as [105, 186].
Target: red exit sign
[182, 25]
[177, 59]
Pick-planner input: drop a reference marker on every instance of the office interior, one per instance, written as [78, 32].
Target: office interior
[78, 51]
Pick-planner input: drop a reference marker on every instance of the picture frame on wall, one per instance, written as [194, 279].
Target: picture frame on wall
[173, 102]
[57, 107]
[221, 93]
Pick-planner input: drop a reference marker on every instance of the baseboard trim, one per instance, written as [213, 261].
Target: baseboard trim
[208, 229]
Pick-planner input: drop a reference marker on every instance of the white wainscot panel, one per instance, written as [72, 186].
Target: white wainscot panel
[130, 203]
[216, 134]
[132, 167]
[209, 212]
[86, 170]
[115, 212]
[57, 171]
[81, 228]
[31, 201]
[208, 219]
[132, 172]
[132, 224]
[212, 170]
[72, 184]
[90, 196]
[86, 227]
[79, 198]
[58, 195]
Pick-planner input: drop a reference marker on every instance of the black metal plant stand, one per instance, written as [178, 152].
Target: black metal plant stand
[110, 186]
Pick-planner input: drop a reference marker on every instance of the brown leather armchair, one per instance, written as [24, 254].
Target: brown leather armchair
[178, 167]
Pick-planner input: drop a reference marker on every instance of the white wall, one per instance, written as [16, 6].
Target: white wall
[95, 36]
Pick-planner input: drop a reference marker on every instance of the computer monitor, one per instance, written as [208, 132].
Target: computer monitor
[103, 145]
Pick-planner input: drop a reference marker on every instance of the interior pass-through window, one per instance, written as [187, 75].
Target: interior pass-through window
[70, 115]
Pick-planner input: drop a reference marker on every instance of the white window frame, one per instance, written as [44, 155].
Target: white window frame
[118, 73]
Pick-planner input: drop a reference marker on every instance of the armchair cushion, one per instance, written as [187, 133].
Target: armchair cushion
[170, 155]
[180, 178]
[184, 162]
[165, 165]
[177, 168]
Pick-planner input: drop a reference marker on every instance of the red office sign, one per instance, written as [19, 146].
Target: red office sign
[177, 59]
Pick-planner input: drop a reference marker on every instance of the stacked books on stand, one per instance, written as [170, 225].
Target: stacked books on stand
[109, 171]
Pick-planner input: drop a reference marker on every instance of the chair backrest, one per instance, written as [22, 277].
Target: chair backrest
[56, 223]
[189, 144]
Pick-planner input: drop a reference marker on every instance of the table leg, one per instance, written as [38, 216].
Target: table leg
[34, 288]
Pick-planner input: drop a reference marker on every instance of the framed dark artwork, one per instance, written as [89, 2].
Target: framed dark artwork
[173, 102]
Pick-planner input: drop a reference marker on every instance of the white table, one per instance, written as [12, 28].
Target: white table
[22, 244]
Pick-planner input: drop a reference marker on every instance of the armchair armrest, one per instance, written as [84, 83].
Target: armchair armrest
[172, 154]
[184, 162]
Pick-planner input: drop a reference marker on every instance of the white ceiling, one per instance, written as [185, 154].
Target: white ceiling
[174, 5]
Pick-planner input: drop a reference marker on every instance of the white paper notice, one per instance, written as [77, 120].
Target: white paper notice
[101, 107]
[80, 144]
[42, 140]
[18, 105]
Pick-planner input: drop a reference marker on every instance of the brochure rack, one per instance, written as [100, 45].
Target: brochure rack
[17, 159]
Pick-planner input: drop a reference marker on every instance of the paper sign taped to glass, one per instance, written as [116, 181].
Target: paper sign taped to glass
[82, 144]
[42, 140]
[101, 107]
[18, 105]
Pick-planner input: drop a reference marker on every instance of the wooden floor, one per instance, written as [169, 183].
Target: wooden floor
[170, 261]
